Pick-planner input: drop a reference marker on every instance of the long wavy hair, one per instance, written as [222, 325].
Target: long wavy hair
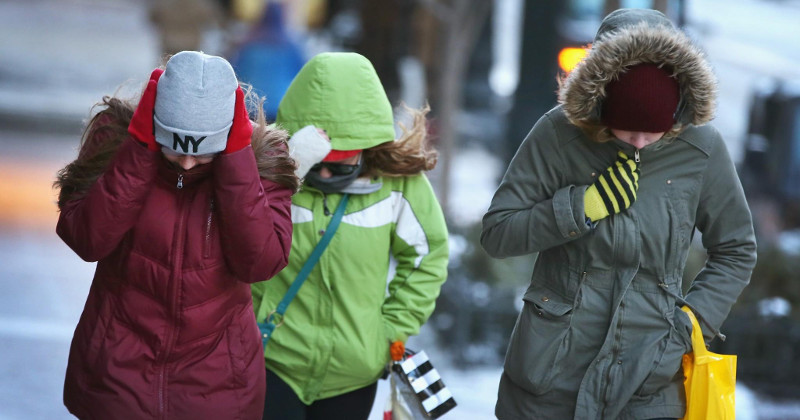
[410, 154]
[108, 128]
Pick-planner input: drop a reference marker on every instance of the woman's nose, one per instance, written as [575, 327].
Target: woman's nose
[638, 140]
[187, 162]
[325, 172]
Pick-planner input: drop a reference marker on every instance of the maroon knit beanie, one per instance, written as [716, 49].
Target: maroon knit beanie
[644, 98]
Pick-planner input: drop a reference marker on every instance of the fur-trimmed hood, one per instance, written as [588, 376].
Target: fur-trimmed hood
[628, 37]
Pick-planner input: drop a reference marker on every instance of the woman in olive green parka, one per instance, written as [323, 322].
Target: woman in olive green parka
[378, 279]
[608, 192]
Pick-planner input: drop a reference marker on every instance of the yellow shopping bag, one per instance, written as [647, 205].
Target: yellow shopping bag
[710, 380]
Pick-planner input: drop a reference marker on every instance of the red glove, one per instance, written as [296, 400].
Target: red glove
[141, 126]
[241, 129]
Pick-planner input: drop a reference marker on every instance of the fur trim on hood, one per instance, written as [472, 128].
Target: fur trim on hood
[628, 37]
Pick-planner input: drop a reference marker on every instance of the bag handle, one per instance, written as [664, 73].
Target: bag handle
[275, 318]
[698, 344]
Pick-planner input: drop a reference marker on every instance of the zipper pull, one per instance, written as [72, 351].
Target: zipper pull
[636, 156]
[180, 181]
[325, 204]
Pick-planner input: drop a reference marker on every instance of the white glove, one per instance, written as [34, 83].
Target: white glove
[308, 148]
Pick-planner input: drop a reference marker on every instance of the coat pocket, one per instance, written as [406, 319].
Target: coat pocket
[539, 341]
[667, 368]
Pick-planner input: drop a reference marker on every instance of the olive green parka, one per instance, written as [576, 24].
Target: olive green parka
[601, 335]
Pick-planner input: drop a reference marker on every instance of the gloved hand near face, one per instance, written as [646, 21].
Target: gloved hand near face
[308, 147]
[141, 125]
[614, 190]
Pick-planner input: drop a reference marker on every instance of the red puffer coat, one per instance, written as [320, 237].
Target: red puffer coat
[168, 330]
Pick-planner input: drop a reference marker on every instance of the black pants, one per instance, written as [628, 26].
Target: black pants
[283, 404]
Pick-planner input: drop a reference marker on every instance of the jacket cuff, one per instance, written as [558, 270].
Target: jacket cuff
[570, 219]
[391, 333]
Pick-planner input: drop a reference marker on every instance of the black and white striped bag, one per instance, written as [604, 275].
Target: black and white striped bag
[417, 383]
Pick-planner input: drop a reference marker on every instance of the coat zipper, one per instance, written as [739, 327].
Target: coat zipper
[180, 181]
[210, 218]
[173, 301]
[636, 156]
[325, 208]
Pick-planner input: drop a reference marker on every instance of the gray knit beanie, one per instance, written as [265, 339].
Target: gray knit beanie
[194, 103]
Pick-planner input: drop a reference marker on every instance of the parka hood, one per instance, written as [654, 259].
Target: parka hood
[340, 93]
[628, 37]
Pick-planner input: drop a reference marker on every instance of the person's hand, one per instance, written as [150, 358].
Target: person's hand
[241, 128]
[614, 190]
[308, 146]
[141, 125]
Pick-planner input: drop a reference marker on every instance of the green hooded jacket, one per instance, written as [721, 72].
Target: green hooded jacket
[600, 335]
[379, 278]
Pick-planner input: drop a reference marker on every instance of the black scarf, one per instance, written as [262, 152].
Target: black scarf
[334, 184]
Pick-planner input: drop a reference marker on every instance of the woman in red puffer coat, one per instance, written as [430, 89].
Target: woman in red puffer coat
[183, 203]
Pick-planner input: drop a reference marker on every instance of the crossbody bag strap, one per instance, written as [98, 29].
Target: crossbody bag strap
[275, 318]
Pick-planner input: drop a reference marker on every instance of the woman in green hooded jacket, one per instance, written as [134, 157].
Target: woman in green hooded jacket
[608, 189]
[378, 279]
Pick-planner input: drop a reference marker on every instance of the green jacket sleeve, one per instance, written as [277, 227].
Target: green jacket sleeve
[723, 218]
[419, 246]
[533, 209]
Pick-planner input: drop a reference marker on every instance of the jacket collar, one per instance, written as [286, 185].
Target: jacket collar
[629, 149]
[171, 175]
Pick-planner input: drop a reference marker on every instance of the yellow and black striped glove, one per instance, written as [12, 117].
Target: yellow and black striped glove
[614, 190]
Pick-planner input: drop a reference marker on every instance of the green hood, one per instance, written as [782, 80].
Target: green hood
[340, 93]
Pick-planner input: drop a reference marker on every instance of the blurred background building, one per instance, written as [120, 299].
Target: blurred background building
[488, 69]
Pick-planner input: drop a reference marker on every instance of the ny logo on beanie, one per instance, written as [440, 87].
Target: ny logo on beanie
[184, 144]
[195, 103]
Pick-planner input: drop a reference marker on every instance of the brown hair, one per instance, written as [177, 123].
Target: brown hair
[106, 131]
[99, 143]
[271, 146]
[408, 155]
